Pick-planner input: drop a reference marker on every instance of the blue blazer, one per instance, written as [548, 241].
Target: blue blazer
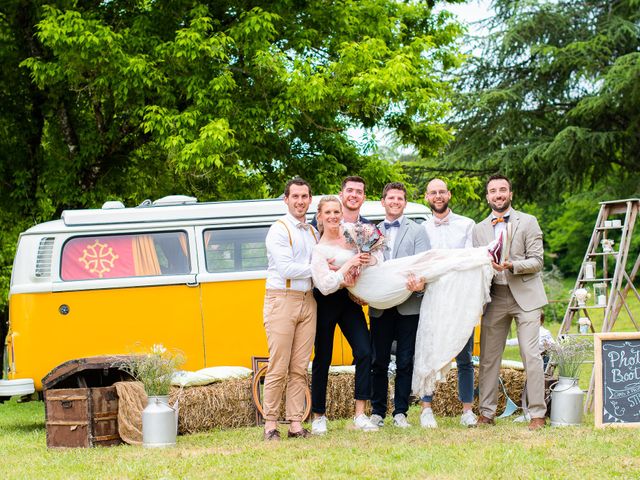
[411, 239]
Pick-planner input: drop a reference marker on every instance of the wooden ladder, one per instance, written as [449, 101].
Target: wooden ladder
[603, 272]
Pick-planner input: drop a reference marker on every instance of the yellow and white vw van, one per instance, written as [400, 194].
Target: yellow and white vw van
[175, 271]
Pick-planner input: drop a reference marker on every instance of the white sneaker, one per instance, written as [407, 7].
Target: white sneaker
[377, 420]
[468, 419]
[427, 420]
[362, 422]
[319, 426]
[400, 421]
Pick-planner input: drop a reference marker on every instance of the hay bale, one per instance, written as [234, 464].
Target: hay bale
[226, 404]
[229, 404]
[446, 403]
[340, 402]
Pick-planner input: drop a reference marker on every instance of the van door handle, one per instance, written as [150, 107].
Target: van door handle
[195, 283]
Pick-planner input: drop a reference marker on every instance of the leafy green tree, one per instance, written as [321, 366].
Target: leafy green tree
[553, 99]
[135, 99]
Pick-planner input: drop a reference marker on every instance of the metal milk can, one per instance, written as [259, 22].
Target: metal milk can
[159, 423]
[566, 402]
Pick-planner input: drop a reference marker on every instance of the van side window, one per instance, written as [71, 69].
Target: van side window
[131, 255]
[236, 250]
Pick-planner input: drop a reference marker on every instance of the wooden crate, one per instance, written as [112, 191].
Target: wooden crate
[82, 417]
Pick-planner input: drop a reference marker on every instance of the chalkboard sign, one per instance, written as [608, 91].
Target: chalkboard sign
[617, 369]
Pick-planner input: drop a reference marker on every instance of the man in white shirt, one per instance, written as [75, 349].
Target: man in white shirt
[289, 311]
[446, 229]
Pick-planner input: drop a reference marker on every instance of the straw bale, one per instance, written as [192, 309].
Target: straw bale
[225, 404]
[229, 404]
[445, 401]
[340, 401]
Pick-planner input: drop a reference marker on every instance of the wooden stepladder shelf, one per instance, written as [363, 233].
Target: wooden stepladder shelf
[607, 273]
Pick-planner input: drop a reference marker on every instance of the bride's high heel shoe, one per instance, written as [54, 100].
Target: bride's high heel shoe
[495, 249]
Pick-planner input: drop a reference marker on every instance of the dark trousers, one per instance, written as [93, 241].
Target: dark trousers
[339, 309]
[385, 329]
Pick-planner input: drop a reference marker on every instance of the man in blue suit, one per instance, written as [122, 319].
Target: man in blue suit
[404, 237]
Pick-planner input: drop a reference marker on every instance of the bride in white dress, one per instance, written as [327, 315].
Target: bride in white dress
[458, 283]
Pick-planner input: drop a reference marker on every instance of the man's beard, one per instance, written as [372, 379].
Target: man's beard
[504, 208]
[443, 209]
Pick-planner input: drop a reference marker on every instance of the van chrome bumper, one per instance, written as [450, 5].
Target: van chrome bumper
[20, 386]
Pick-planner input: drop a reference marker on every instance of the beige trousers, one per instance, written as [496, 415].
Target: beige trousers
[496, 322]
[290, 323]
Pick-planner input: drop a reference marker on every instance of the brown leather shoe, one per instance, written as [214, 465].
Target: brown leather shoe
[482, 420]
[272, 435]
[304, 433]
[537, 423]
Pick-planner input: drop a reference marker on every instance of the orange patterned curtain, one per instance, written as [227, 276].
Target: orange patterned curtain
[183, 244]
[207, 238]
[145, 257]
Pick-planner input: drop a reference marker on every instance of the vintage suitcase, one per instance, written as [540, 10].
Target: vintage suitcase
[86, 416]
[82, 417]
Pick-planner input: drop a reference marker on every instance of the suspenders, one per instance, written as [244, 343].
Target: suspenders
[288, 281]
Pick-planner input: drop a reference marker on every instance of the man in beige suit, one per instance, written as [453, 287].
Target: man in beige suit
[517, 292]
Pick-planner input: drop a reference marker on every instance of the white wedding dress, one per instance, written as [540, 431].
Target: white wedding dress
[458, 284]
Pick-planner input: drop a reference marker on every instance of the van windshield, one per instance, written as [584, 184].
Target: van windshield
[131, 255]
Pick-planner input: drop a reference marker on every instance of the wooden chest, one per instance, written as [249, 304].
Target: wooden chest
[82, 417]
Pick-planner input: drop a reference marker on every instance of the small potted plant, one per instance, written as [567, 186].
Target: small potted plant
[568, 354]
[155, 370]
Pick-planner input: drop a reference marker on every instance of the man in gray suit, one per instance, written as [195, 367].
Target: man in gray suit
[517, 292]
[404, 237]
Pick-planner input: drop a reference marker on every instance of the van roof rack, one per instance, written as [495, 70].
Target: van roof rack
[175, 200]
[112, 204]
[181, 208]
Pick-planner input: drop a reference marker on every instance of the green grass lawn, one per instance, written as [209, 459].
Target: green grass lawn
[506, 451]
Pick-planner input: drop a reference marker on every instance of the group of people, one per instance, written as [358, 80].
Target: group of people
[426, 290]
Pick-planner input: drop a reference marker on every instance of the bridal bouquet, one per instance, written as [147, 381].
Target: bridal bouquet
[364, 237]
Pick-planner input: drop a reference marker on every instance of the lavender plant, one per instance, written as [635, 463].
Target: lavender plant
[154, 369]
[568, 354]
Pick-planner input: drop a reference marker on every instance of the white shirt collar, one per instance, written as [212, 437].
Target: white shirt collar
[292, 219]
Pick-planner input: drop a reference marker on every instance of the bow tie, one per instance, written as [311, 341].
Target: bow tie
[437, 222]
[500, 219]
[304, 226]
[388, 225]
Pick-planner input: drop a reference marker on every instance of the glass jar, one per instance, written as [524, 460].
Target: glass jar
[583, 325]
[600, 294]
[589, 269]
